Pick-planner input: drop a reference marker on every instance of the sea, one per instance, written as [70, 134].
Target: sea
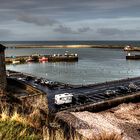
[95, 65]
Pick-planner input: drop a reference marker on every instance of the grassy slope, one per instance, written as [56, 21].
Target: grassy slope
[12, 130]
[17, 127]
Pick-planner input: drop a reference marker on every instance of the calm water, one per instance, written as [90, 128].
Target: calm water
[94, 65]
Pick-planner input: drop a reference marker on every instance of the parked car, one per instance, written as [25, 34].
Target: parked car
[51, 84]
[133, 87]
[21, 78]
[37, 81]
[110, 92]
[123, 89]
[82, 98]
[42, 82]
[28, 78]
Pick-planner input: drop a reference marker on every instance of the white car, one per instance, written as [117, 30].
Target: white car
[64, 98]
[110, 92]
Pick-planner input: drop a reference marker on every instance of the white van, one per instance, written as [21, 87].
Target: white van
[63, 98]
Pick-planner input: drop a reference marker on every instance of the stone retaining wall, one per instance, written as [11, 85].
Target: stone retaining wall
[35, 97]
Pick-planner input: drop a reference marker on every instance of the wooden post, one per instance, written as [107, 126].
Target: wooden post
[3, 82]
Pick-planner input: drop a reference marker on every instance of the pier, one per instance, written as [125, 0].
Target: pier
[42, 58]
[89, 97]
[132, 56]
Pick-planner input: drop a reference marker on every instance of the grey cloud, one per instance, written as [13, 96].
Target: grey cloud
[36, 11]
[57, 13]
[69, 6]
[5, 33]
[109, 31]
[66, 3]
[84, 29]
[114, 32]
[69, 30]
[37, 20]
[64, 29]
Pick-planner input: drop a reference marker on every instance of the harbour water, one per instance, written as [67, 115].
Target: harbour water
[95, 65]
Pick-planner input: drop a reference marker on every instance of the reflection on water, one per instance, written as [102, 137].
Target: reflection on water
[94, 65]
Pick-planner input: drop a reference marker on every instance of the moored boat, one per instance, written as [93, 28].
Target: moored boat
[15, 62]
[30, 59]
[33, 58]
[43, 59]
[133, 57]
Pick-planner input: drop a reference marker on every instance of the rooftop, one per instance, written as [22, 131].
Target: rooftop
[63, 95]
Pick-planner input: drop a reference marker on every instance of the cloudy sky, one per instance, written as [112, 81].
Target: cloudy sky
[69, 19]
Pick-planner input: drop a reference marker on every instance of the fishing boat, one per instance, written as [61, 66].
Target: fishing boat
[43, 59]
[30, 59]
[33, 58]
[15, 62]
[133, 57]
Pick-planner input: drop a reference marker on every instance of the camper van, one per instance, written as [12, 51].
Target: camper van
[64, 98]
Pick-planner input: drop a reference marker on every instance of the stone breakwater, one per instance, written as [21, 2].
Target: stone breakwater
[70, 46]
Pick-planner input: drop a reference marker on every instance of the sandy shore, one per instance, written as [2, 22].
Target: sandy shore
[124, 121]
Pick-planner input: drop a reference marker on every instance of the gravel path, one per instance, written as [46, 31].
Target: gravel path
[123, 121]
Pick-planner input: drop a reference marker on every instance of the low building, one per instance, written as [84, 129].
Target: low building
[128, 48]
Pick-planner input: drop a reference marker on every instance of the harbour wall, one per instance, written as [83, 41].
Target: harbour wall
[100, 106]
[35, 97]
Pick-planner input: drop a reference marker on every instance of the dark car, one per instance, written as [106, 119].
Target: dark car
[82, 98]
[28, 78]
[123, 89]
[37, 81]
[42, 82]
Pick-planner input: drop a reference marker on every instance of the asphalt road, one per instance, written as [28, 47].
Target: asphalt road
[94, 93]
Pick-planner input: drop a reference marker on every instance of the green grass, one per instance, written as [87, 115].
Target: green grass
[20, 122]
[17, 127]
[12, 130]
